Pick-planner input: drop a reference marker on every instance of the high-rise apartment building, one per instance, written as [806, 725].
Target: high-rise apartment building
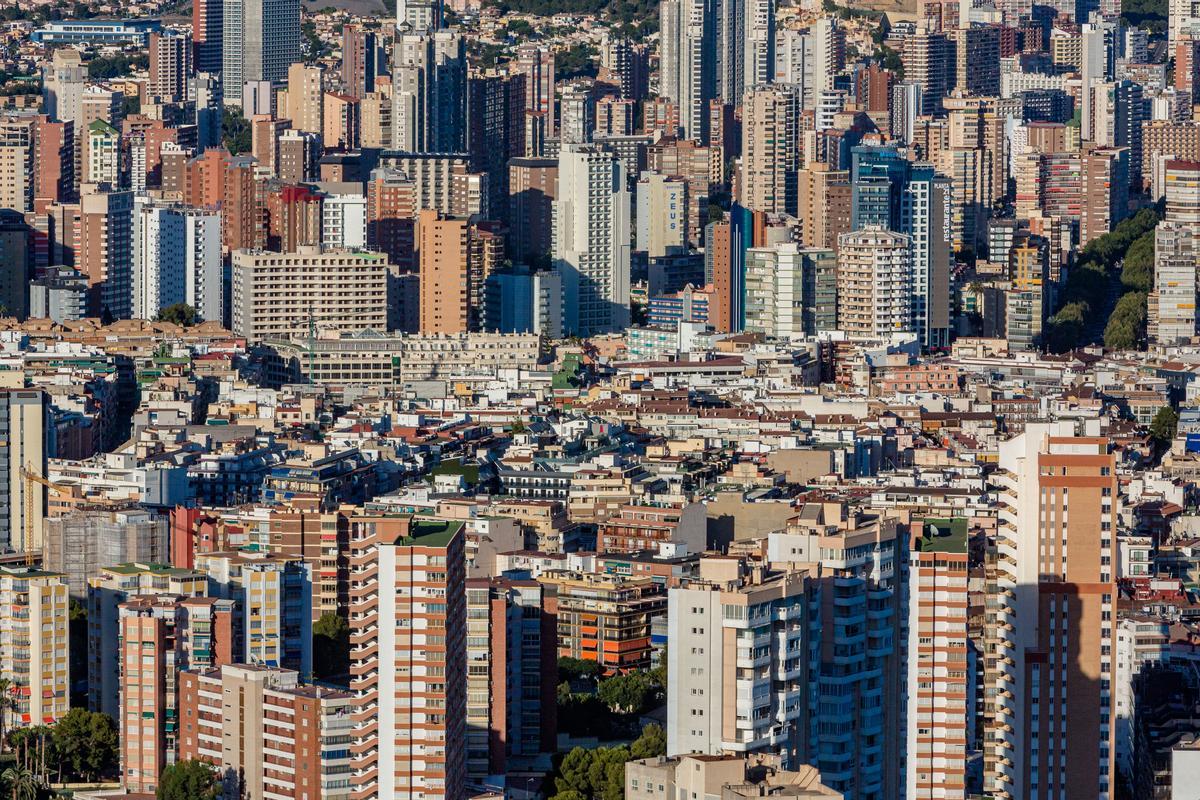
[791, 292]
[18, 135]
[260, 40]
[495, 130]
[770, 149]
[591, 239]
[1105, 190]
[305, 90]
[278, 720]
[977, 60]
[408, 658]
[157, 636]
[103, 166]
[1048, 638]
[687, 56]
[207, 33]
[536, 63]
[738, 661]
[456, 256]
[929, 63]
[177, 259]
[119, 583]
[19, 254]
[1172, 304]
[662, 218]
[170, 65]
[940, 671]
[889, 191]
[24, 424]
[532, 188]
[851, 727]
[823, 204]
[1181, 184]
[272, 606]
[511, 648]
[105, 251]
[33, 612]
[874, 283]
[360, 60]
[429, 93]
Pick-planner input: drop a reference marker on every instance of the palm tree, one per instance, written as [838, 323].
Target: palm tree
[22, 783]
[7, 702]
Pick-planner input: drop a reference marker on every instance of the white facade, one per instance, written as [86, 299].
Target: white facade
[591, 240]
[686, 53]
[740, 648]
[344, 221]
[177, 259]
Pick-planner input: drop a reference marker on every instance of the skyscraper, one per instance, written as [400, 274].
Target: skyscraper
[591, 239]
[687, 55]
[536, 63]
[207, 33]
[408, 657]
[939, 674]
[260, 39]
[24, 421]
[170, 65]
[977, 60]
[888, 190]
[929, 63]
[429, 93]
[770, 149]
[1047, 726]
[105, 251]
[360, 57]
[456, 256]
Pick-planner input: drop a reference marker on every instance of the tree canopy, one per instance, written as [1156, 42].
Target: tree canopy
[1164, 425]
[188, 780]
[85, 743]
[331, 646]
[179, 314]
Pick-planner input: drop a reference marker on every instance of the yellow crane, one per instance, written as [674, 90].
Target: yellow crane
[29, 477]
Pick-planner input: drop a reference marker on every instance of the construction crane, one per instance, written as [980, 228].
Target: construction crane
[29, 477]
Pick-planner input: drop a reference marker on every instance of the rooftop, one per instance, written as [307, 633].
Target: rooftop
[944, 536]
[431, 533]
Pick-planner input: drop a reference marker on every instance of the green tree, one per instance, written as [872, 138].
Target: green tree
[22, 783]
[331, 646]
[1163, 426]
[574, 669]
[569, 794]
[179, 314]
[86, 743]
[574, 773]
[235, 131]
[632, 693]
[652, 742]
[578, 61]
[1137, 275]
[1127, 323]
[188, 780]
